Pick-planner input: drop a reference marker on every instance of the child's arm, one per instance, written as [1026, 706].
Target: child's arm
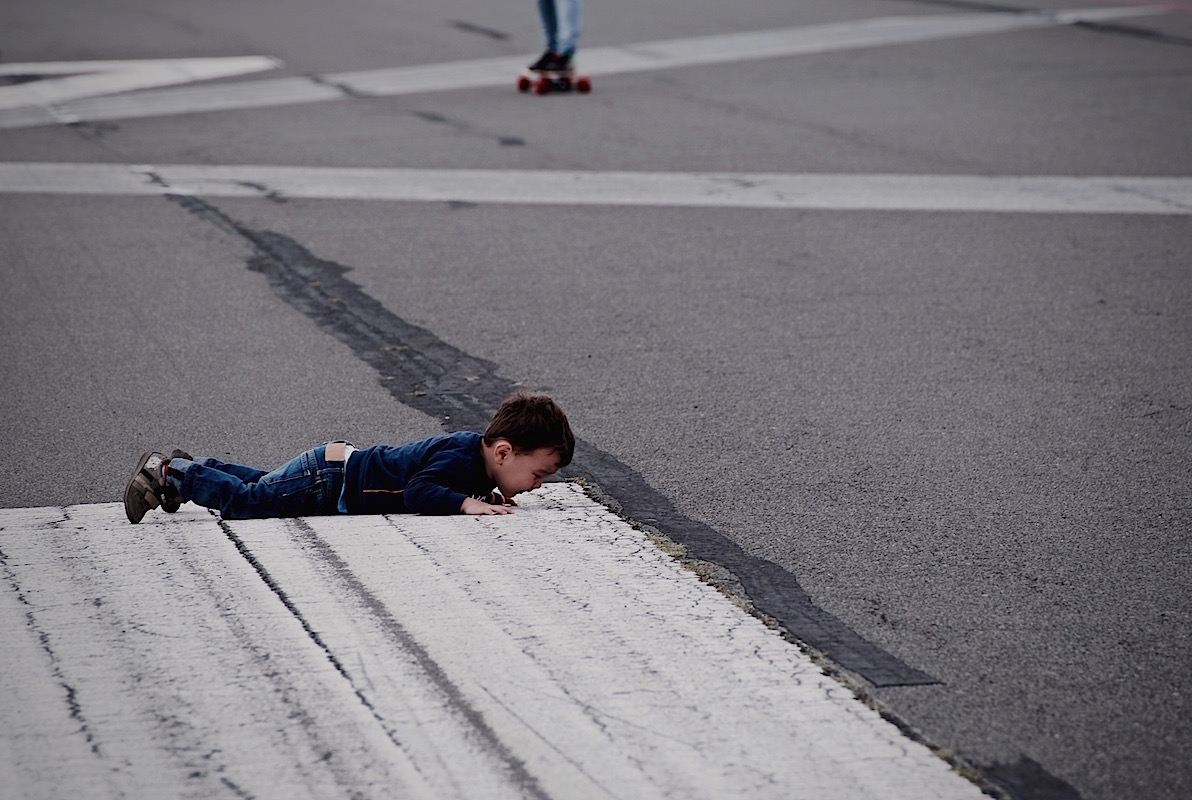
[429, 492]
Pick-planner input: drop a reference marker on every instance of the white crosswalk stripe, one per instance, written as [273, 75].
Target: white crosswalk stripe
[950, 193]
[64, 81]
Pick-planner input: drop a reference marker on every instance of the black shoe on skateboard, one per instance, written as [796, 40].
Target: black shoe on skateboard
[553, 72]
[545, 62]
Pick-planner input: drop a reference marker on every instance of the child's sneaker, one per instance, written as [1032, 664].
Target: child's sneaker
[148, 487]
[142, 493]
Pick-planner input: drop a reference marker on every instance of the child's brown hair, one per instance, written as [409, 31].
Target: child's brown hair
[529, 420]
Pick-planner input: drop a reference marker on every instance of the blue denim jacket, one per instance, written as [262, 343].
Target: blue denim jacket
[432, 476]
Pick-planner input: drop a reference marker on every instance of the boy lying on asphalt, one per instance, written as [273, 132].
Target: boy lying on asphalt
[527, 440]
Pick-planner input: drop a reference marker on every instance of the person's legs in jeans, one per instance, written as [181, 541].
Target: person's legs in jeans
[550, 24]
[246, 474]
[568, 39]
[305, 485]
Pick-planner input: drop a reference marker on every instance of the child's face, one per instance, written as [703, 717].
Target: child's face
[522, 472]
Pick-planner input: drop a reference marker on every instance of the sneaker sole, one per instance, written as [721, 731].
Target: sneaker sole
[139, 498]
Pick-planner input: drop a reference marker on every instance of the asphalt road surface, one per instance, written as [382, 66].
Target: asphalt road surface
[947, 442]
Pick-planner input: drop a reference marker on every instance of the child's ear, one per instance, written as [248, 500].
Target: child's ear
[502, 449]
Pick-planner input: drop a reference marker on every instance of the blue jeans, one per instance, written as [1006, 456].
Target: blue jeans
[572, 18]
[304, 486]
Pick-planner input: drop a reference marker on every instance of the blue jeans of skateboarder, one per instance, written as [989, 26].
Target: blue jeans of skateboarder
[561, 39]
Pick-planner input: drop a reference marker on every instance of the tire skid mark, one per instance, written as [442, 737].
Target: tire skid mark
[397, 633]
[288, 693]
[276, 588]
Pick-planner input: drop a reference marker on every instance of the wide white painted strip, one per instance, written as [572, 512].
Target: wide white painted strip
[669, 54]
[1017, 194]
[833, 37]
[152, 661]
[90, 78]
[192, 99]
[552, 653]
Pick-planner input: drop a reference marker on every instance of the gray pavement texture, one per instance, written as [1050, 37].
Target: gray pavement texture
[966, 437]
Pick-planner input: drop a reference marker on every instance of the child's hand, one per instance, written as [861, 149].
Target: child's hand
[497, 499]
[473, 506]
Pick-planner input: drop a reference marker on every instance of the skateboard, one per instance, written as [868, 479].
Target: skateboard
[549, 81]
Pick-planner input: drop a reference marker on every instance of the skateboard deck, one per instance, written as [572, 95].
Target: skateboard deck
[548, 81]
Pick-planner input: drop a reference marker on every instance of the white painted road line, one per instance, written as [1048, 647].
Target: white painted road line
[1014, 194]
[553, 653]
[645, 56]
[79, 79]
